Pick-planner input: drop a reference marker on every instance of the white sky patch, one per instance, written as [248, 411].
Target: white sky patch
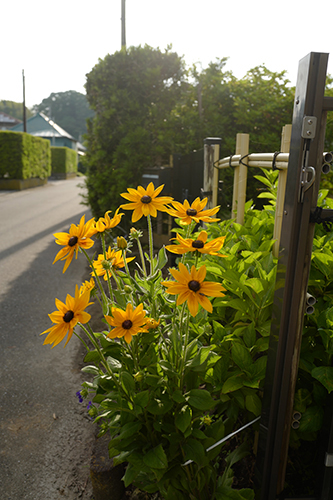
[57, 44]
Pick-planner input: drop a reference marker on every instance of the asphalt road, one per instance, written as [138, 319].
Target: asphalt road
[45, 434]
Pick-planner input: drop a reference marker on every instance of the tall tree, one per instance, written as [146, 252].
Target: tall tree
[133, 93]
[68, 109]
[14, 109]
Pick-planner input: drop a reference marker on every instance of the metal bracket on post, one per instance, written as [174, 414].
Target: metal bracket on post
[309, 127]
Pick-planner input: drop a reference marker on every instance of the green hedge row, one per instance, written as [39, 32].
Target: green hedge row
[23, 156]
[64, 160]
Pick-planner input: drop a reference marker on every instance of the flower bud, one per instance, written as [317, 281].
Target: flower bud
[127, 289]
[135, 233]
[138, 376]
[121, 243]
[93, 411]
[207, 420]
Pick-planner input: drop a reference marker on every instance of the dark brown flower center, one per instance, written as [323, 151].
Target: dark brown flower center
[68, 316]
[198, 244]
[72, 241]
[191, 212]
[146, 199]
[127, 324]
[194, 285]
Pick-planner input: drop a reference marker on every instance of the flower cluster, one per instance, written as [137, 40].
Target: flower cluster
[146, 363]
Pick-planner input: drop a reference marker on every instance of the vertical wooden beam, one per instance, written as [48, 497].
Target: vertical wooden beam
[240, 178]
[306, 149]
[281, 189]
[210, 174]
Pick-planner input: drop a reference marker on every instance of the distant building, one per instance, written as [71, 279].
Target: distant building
[7, 121]
[42, 126]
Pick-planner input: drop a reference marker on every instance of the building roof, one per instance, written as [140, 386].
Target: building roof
[42, 126]
[7, 121]
[60, 131]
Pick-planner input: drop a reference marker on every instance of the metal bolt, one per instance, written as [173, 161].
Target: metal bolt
[308, 132]
[285, 212]
[310, 122]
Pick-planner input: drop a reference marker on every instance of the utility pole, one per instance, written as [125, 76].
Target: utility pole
[24, 110]
[123, 25]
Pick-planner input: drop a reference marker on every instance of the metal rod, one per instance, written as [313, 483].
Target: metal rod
[123, 24]
[24, 108]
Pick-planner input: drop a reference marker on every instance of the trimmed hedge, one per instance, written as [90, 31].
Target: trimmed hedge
[23, 156]
[64, 160]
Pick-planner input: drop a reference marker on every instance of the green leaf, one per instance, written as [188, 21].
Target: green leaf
[156, 458]
[241, 356]
[160, 406]
[312, 419]
[129, 430]
[233, 383]
[255, 284]
[130, 475]
[113, 363]
[253, 404]
[200, 399]
[183, 418]
[92, 356]
[127, 382]
[141, 399]
[198, 362]
[90, 369]
[178, 397]
[195, 451]
[325, 375]
[162, 258]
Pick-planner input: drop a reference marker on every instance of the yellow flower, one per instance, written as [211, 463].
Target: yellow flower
[200, 244]
[105, 222]
[127, 323]
[114, 260]
[191, 287]
[78, 236]
[121, 243]
[67, 316]
[87, 285]
[145, 201]
[151, 323]
[195, 212]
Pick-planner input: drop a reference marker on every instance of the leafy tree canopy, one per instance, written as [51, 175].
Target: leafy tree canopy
[133, 93]
[68, 109]
[14, 109]
[148, 106]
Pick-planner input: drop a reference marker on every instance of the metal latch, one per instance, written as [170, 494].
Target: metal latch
[309, 127]
[305, 182]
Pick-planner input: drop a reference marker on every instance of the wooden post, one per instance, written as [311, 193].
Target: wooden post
[305, 159]
[285, 146]
[211, 174]
[240, 178]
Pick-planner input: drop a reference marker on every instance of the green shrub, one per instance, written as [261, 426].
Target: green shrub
[64, 160]
[23, 156]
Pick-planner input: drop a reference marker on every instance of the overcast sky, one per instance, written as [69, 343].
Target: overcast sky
[58, 43]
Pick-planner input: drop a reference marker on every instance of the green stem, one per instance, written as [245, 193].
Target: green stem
[96, 276]
[80, 338]
[125, 261]
[184, 336]
[107, 274]
[143, 263]
[151, 245]
[90, 335]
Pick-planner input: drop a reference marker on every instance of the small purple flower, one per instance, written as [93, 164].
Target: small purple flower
[78, 394]
[89, 405]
